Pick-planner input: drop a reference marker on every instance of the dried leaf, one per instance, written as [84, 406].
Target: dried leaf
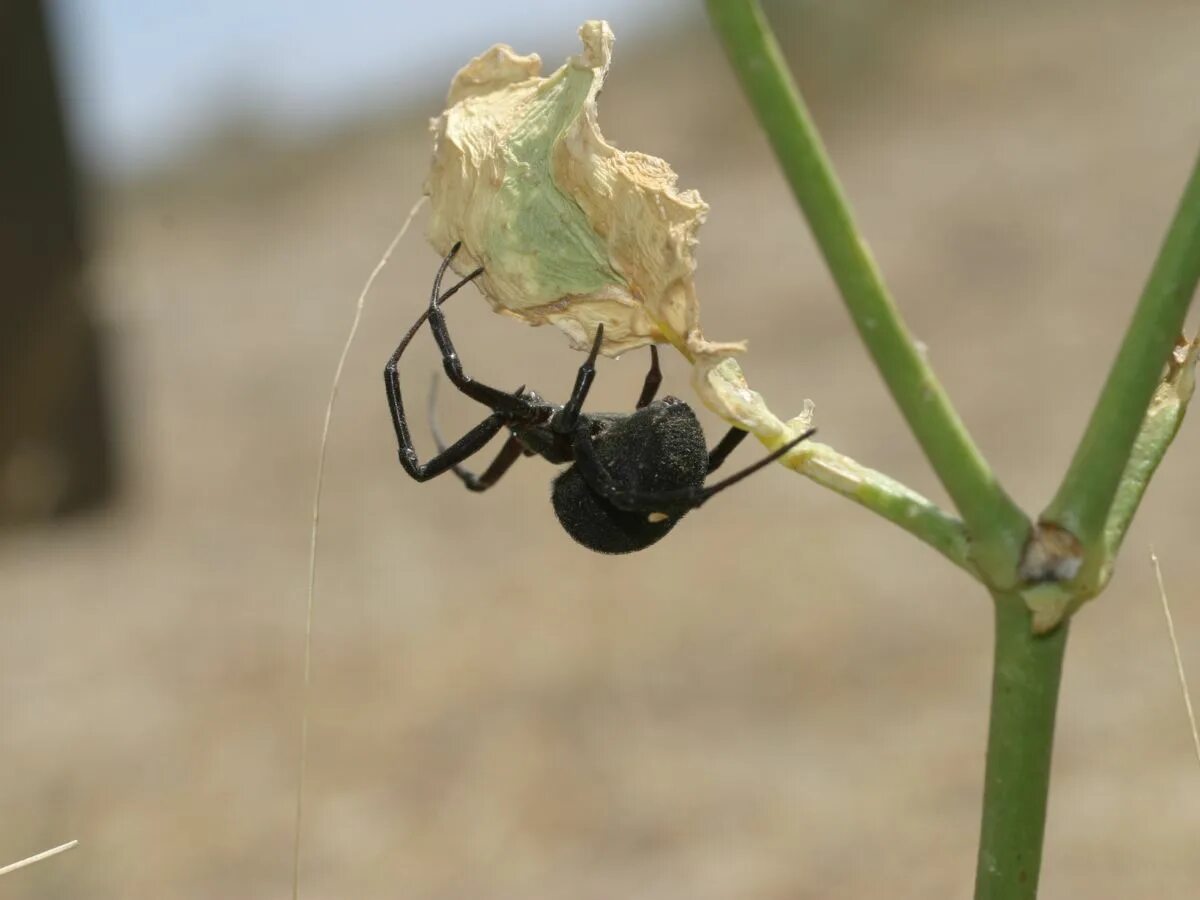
[569, 229]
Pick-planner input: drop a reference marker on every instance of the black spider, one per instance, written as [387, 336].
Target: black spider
[632, 475]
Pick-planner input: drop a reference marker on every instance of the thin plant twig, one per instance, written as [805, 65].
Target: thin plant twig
[1163, 418]
[886, 497]
[1086, 494]
[38, 857]
[1187, 697]
[312, 547]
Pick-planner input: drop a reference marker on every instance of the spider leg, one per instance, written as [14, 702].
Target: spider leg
[754, 467]
[724, 447]
[653, 380]
[469, 444]
[567, 418]
[675, 502]
[416, 326]
[495, 398]
[391, 377]
[509, 453]
[475, 439]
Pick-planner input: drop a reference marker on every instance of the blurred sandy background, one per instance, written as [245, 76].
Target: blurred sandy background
[785, 699]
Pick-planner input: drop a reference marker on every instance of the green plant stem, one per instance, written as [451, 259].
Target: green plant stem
[1086, 494]
[1158, 431]
[1025, 680]
[1161, 424]
[998, 528]
[886, 497]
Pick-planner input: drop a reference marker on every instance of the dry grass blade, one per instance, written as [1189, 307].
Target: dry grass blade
[38, 857]
[1187, 697]
[312, 548]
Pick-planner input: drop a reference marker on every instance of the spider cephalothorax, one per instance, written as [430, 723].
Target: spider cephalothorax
[631, 477]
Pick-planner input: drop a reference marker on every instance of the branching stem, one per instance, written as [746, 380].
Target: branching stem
[1125, 440]
[998, 528]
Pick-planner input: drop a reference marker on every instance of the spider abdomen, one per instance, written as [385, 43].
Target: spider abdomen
[658, 448]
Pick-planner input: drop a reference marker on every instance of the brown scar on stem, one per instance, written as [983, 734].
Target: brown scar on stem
[1051, 555]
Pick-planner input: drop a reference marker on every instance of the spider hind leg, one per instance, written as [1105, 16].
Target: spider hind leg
[672, 503]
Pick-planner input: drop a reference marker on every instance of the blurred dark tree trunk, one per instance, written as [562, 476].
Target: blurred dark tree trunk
[55, 450]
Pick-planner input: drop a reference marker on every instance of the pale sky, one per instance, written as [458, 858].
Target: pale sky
[143, 77]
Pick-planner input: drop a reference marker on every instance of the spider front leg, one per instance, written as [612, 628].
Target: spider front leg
[495, 398]
[475, 439]
[470, 443]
